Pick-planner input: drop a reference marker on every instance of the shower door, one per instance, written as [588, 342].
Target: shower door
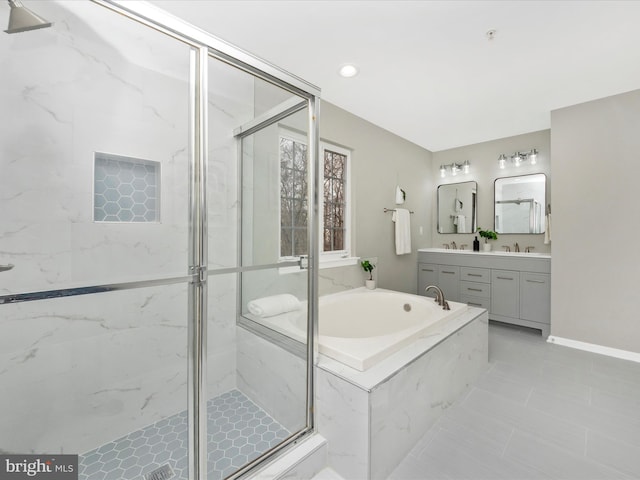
[94, 219]
[270, 402]
[141, 212]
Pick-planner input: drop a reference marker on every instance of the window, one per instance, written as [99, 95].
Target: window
[334, 208]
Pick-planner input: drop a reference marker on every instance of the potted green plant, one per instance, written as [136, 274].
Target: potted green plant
[487, 235]
[368, 267]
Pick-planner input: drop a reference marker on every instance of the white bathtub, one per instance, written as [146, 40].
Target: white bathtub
[362, 327]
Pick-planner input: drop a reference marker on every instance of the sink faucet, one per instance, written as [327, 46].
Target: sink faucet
[439, 297]
[528, 249]
[454, 246]
[516, 247]
[507, 248]
[463, 246]
[446, 246]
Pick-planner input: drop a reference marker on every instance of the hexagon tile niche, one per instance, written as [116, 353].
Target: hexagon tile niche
[125, 189]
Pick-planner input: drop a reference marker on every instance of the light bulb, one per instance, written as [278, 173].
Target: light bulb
[443, 171]
[517, 159]
[502, 161]
[465, 167]
[454, 169]
[533, 157]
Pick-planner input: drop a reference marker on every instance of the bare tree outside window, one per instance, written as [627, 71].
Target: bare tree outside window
[293, 198]
[294, 204]
[334, 201]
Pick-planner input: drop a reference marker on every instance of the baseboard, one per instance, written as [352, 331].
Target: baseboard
[592, 347]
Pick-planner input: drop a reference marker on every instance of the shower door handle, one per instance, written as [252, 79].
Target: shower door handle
[5, 268]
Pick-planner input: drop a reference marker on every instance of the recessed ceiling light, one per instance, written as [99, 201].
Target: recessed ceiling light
[348, 70]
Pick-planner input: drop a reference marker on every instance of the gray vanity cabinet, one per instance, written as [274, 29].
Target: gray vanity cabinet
[447, 277]
[427, 275]
[513, 288]
[535, 296]
[475, 287]
[449, 282]
[505, 293]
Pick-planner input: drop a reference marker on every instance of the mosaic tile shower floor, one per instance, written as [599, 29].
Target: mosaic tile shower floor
[238, 431]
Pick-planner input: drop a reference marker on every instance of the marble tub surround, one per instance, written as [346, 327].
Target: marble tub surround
[372, 419]
[275, 378]
[369, 379]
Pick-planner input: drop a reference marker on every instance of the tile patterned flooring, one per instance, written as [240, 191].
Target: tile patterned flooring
[541, 411]
[238, 431]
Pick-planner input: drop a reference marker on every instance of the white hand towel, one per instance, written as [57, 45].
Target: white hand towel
[460, 221]
[275, 305]
[402, 217]
[547, 229]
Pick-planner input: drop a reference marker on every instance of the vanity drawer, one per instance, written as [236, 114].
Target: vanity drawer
[479, 302]
[475, 289]
[471, 274]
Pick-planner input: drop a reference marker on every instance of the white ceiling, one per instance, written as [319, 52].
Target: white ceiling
[428, 73]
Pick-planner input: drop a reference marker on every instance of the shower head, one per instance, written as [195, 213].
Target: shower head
[21, 19]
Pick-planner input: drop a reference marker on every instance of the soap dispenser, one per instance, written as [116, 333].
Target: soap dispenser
[476, 245]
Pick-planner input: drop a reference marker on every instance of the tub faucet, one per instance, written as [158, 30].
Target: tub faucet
[516, 247]
[439, 297]
[454, 246]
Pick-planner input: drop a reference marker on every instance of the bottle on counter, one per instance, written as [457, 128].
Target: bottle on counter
[476, 245]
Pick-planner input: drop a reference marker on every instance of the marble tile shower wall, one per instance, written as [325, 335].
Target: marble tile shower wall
[85, 370]
[81, 371]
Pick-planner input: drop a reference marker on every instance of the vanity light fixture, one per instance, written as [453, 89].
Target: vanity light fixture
[518, 158]
[454, 168]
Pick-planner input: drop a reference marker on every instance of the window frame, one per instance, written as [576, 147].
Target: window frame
[334, 257]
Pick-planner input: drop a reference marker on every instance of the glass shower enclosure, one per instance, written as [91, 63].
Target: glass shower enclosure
[140, 222]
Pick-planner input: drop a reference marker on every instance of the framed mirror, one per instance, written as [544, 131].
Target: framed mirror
[519, 204]
[457, 207]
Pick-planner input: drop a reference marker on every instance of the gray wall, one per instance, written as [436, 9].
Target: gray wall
[380, 161]
[484, 170]
[595, 173]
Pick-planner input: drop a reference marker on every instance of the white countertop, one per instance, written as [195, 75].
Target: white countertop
[491, 253]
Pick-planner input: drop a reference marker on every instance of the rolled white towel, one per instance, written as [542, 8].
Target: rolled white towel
[275, 305]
